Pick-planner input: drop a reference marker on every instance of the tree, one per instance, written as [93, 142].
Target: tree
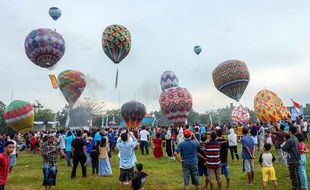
[61, 116]
[3, 126]
[41, 113]
[95, 107]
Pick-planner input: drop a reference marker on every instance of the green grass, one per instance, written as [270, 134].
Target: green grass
[163, 174]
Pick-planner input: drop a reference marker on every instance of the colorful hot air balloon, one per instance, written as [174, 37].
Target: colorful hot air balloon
[197, 49]
[133, 112]
[168, 79]
[116, 42]
[269, 107]
[240, 115]
[54, 12]
[71, 84]
[19, 116]
[231, 78]
[53, 80]
[44, 47]
[176, 103]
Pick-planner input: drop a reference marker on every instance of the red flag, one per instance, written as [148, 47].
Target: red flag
[297, 106]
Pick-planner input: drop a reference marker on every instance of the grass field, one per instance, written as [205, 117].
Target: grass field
[163, 174]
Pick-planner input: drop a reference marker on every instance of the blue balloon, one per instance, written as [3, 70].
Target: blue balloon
[197, 49]
[54, 12]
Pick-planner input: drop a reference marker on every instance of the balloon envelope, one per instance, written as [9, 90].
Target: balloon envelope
[54, 12]
[44, 47]
[231, 78]
[133, 112]
[240, 115]
[116, 42]
[197, 49]
[269, 107]
[72, 84]
[168, 79]
[19, 115]
[176, 103]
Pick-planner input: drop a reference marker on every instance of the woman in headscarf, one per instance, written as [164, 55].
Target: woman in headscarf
[232, 141]
[169, 144]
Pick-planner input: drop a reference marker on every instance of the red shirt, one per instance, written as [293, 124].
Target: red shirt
[4, 168]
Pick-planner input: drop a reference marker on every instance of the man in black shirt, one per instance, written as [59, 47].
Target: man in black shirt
[223, 156]
[79, 154]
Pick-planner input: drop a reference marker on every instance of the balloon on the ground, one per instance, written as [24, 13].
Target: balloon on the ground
[168, 79]
[44, 47]
[197, 49]
[71, 84]
[176, 103]
[133, 112]
[269, 107]
[116, 42]
[19, 115]
[231, 78]
[54, 12]
[240, 115]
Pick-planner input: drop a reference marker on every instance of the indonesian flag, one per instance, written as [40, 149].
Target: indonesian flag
[297, 106]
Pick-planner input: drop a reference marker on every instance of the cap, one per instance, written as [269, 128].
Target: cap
[187, 133]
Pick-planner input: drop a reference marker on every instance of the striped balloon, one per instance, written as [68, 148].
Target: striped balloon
[19, 115]
[176, 103]
[168, 79]
[116, 42]
[133, 112]
[72, 84]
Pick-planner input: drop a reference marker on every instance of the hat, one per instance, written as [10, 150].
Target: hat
[217, 127]
[187, 133]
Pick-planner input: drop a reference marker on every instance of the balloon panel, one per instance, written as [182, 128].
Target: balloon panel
[168, 79]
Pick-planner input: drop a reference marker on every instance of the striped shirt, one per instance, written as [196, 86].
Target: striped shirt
[212, 151]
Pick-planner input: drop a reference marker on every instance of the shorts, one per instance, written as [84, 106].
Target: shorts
[225, 169]
[126, 174]
[202, 170]
[12, 160]
[190, 171]
[269, 174]
[49, 175]
[248, 165]
[214, 173]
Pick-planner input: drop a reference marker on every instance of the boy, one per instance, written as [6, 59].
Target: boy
[247, 154]
[266, 160]
[5, 163]
[94, 155]
[139, 178]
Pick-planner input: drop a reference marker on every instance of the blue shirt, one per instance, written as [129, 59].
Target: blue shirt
[247, 141]
[69, 140]
[97, 137]
[111, 137]
[188, 150]
[202, 130]
[127, 157]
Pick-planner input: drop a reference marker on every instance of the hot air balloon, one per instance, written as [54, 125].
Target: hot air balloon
[71, 84]
[19, 115]
[44, 47]
[116, 43]
[168, 79]
[133, 112]
[269, 107]
[54, 12]
[231, 78]
[240, 115]
[197, 49]
[176, 103]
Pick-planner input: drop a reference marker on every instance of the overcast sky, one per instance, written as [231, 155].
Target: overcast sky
[272, 37]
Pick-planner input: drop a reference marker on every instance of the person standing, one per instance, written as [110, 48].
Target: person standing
[188, 150]
[158, 151]
[111, 136]
[79, 154]
[303, 161]
[104, 163]
[49, 152]
[69, 137]
[247, 154]
[61, 141]
[169, 144]
[127, 157]
[223, 156]
[291, 146]
[94, 155]
[5, 163]
[261, 136]
[14, 153]
[279, 140]
[144, 141]
[232, 142]
[305, 130]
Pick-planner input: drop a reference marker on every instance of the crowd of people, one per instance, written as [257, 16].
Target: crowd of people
[202, 151]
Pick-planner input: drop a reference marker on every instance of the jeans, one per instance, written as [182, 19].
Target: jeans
[233, 150]
[144, 144]
[88, 159]
[68, 154]
[282, 156]
[302, 172]
[76, 160]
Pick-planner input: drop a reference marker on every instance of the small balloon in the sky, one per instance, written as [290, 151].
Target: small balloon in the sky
[197, 49]
[54, 12]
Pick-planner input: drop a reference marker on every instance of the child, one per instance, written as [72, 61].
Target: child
[266, 160]
[94, 155]
[302, 163]
[139, 178]
[269, 138]
[104, 162]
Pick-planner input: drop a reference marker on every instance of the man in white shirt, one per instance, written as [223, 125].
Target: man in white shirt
[144, 140]
[61, 141]
[305, 130]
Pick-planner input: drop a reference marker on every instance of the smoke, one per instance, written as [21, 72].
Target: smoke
[93, 85]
